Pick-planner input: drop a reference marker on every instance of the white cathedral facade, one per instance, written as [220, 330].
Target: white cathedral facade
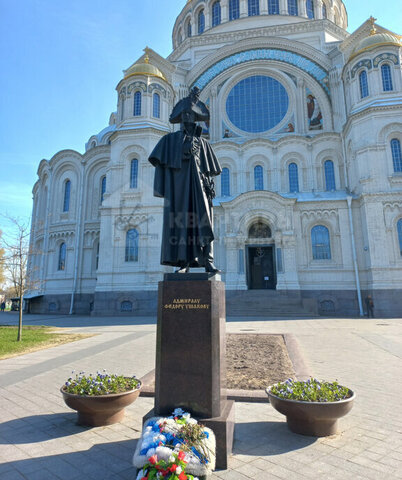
[306, 120]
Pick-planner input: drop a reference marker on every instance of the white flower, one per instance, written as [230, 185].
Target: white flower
[151, 452]
[193, 421]
[171, 459]
[178, 470]
[163, 452]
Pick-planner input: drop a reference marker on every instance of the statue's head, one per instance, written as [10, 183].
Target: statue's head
[190, 109]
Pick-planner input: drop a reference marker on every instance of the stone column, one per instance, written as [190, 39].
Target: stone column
[283, 7]
[302, 8]
[301, 109]
[243, 8]
[263, 7]
[224, 12]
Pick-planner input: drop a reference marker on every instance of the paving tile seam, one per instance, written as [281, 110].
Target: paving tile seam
[26, 373]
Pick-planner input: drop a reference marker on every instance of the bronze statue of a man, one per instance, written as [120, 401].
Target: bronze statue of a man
[185, 165]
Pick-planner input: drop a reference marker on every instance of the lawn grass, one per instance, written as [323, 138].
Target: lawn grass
[33, 338]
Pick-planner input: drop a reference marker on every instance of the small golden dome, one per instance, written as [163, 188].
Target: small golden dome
[375, 39]
[144, 69]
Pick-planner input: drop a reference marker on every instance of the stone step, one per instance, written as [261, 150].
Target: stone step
[267, 303]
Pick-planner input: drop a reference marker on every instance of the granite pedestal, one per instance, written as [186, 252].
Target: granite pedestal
[190, 354]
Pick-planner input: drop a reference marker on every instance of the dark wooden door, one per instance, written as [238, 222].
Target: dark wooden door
[261, 271]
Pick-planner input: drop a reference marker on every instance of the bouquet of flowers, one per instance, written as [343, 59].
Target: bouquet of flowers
[171, 469]
[180, 437]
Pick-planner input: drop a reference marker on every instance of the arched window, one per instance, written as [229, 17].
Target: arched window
[363, 84]
[253, 7]
[216, 13]
[189, 29]
[396, 155]
[134, 173]
[137, 104]
[320, 243]
[324, 11]
[273, 7]
[156, 105]
[310, 8]
[103, 188]
[201, 22]
[386, 78]
[292, 7]
[67, 192]
[258, 178]
[329, 175]
[293, 178]
[399, 227]
[234, 9]
[225, 182]
[132, 245]
[62, 257]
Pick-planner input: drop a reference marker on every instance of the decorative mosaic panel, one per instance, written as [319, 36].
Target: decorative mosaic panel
[385, 56]
[291, 58]
[366, 62]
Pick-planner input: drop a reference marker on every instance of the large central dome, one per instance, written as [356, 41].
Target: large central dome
[200, 16]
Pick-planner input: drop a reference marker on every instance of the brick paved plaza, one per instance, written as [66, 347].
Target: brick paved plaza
[40, 441]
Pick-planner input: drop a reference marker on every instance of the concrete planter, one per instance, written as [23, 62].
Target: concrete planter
[317, 419]
[100, 410]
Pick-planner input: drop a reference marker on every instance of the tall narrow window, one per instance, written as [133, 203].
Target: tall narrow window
[225, 182]
[216, 13]
[189, 29]
[292, 7]
[201, 22]
[234, 9]
[67, 192]
[399, 226]
[310, 8]
[258, 178]
[240, 261]
[324, 11]
[253, 7]
[320, 243]
[396, 155]
[293, 178]
[132, 245]
[156, 105]
[386, 78]
[134, 173]
[363, 84]
[329, 175]
[97, 255]
[273, 7]
[137, 104]
[62, 257]
[122, 108]
[103, 188]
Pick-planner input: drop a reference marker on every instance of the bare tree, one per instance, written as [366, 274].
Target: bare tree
[2, 276]
[15, 261]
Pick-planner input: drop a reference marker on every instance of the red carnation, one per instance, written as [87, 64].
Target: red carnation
[173, 468]
[181, 455]
[182, 476]
[153, 459]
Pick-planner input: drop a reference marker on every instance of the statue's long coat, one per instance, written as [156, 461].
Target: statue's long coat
[182, 164]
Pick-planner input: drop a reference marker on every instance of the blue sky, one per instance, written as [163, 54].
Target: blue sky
[61, 62]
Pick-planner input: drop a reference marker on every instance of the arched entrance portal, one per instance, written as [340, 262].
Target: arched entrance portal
[260, 254]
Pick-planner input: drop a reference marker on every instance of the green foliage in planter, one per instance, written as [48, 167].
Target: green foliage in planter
[100, 384]
[310, 391]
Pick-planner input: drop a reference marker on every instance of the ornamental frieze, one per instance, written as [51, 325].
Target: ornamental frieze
[135, 85]
[155, 86]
